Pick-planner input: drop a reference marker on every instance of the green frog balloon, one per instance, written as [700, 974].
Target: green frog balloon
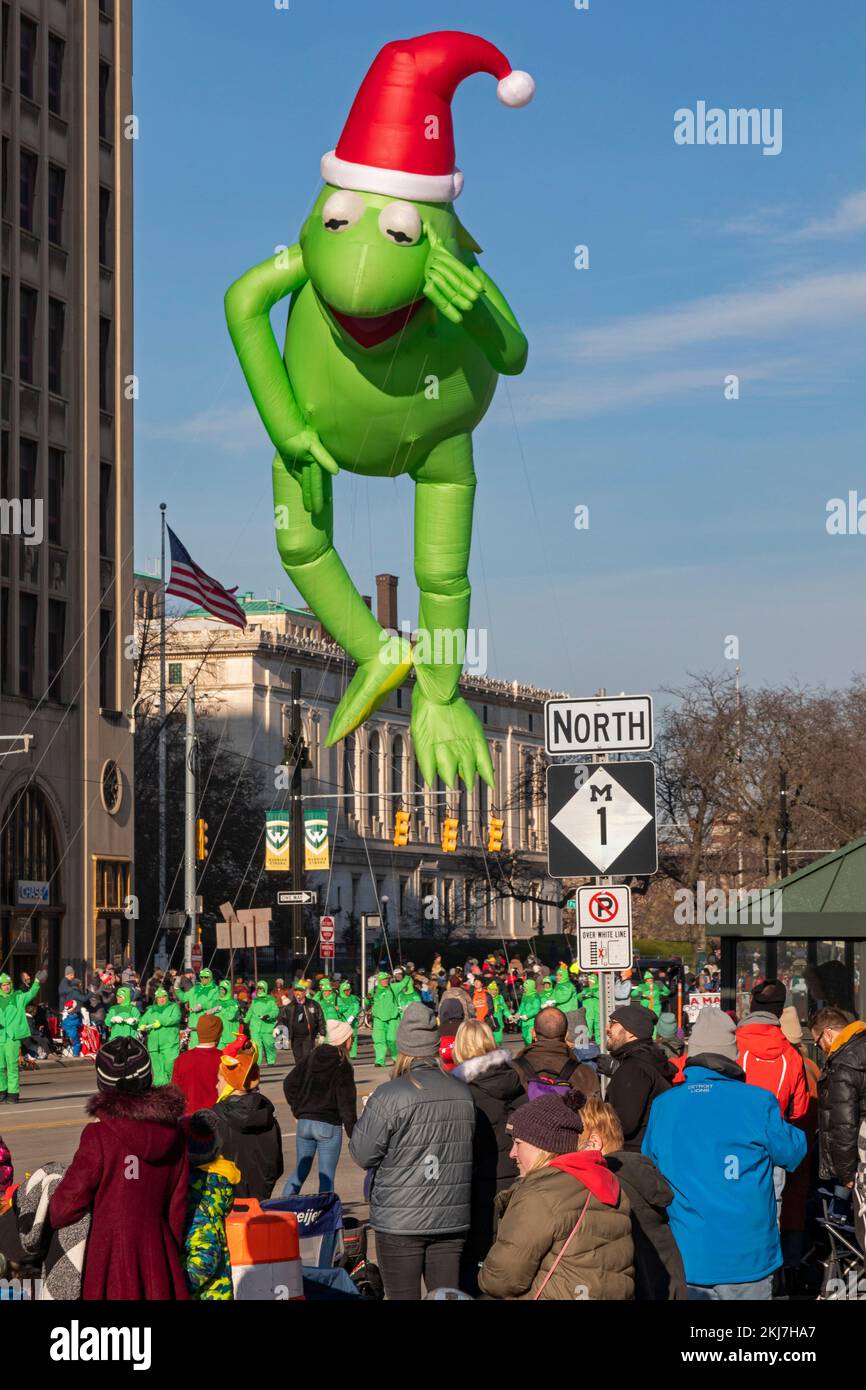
[394, 342]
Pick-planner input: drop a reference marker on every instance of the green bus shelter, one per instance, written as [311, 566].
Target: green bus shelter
[808, 930]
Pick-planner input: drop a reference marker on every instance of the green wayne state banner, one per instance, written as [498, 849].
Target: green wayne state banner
[316, 852]
[278, 839]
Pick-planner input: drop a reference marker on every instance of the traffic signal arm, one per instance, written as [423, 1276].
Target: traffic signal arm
[494, 834]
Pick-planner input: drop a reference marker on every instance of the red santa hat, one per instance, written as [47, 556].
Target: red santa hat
[399, 138]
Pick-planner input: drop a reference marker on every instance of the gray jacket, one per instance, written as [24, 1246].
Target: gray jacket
[417, 1139]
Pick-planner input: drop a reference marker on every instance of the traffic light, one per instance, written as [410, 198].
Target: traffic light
[401, 828]
[449, 834]
[200, 839]
[494, 834]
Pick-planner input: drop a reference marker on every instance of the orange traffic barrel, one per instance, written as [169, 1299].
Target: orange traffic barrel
[264, 1252]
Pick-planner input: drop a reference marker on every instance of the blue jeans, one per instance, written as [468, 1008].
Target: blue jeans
[313, 1137]
[725, 1293]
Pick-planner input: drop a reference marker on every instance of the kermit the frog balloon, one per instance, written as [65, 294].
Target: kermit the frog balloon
[394, 342]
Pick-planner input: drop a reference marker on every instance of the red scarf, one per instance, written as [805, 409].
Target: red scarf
[589, 1167]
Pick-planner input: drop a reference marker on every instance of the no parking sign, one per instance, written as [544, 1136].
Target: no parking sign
[604, 927]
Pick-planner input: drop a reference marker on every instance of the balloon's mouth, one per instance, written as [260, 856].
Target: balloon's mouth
[369, 330]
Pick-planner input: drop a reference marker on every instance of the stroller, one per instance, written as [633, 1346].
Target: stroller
[845, 1267]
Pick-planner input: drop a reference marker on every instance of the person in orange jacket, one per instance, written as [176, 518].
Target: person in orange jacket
[765, 1054]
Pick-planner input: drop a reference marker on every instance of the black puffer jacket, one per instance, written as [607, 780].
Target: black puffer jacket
[842, 1105]
[415, 1133]
[322, 1087]
[496, 1091]
[659, 1274]
[251, 1139]
[643, 1073]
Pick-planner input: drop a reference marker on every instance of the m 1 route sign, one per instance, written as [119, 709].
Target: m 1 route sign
[601, 819]
[603, 724]
[604, 940]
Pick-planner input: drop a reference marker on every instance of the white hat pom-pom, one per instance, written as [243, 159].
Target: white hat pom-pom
[517, 89]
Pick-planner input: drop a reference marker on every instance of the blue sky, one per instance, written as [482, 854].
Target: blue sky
[706, 515]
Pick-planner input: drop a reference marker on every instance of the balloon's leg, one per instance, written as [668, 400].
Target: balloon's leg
[305, 544]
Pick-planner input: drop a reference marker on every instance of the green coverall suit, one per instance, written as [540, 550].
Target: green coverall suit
[386, 1016]
[650, 993]
[327, 1002]
[124, 1017]
[261, 1017]
[203, 998]
[229, 1012]
[161, 1027]
[530, 1008]
[349, 1006]
[588, 1000]
[14, 1026]
[500, 1012]
[564, 991]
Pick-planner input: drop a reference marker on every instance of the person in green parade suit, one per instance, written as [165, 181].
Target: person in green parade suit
[14, 1026]
[650, 992]
[161, 1026]
[260, 1019]
[203, 998]
[587, 999]
[386, 1016]
[123, 1018]
[327, 1000]
[530, 1008]
[404, 991]
[229, 1011]
[548, 985]
[564, 992]
[500, 1012]
[349, 1006]
[387, 297]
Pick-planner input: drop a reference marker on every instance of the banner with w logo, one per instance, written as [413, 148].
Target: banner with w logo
[316, 849]
[278, 840]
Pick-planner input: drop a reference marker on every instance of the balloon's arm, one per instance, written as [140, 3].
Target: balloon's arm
[248, 306]
[495, 329]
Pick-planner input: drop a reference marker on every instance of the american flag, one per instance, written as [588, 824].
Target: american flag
[188, 581]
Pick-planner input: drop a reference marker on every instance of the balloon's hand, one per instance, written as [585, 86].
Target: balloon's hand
[308, 459]
[454, 288]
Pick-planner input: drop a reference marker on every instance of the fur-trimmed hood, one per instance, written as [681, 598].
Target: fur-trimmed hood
[147, 1120]
[477, 1067]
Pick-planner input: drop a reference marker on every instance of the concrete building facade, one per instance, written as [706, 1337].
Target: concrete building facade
[66, 789]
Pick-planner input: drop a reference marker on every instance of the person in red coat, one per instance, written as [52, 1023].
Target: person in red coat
[196, 1073]
[130, 1173]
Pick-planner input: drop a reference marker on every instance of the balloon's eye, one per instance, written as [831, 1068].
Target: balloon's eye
[343, 209]
[400, 223]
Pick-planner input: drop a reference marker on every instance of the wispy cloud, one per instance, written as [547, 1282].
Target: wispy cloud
[813, 301]
[849, 219]
[233, 429]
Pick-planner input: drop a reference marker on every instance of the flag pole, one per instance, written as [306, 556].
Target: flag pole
[162, 738]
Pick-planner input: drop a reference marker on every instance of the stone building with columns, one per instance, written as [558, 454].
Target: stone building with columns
[243, 684]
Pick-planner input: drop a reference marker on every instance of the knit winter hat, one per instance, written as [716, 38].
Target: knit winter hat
[124, 1065]
[769, 997]
[209, 1028]
[667, 1026]
[338, 1032]
[636, 1019]
[549, 1123]
[417, 1034]
[713, 1032]
[791, 1025]
[203, 1137]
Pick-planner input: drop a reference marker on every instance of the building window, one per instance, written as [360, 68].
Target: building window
[27, 73]
[56, 195]
[106, 548]
[5, 541]
[106, 659]
[106, 9]
[56, 325]
[56, 648]
[28, 848]
[530, 723]
[104, 91]
[483, 714]
[4, 328]
[28, 463]
[175, 673]
[4, 641]
[404, 889]
[482, 805]
[447, 899]
[4, 176]
[28, 610]
[56, 471]
[105, 226]
[349, 777]
[27, 340]
[373, 748]
[106, 371]
[7, 63]
[56, 51]
[29, 166]
[396, 775]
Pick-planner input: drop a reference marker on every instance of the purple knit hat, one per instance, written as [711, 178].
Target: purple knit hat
[549, 1123]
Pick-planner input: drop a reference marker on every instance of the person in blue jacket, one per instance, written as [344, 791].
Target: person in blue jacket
[715, 1139]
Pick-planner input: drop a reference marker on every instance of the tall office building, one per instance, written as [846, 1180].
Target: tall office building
[66, 805]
